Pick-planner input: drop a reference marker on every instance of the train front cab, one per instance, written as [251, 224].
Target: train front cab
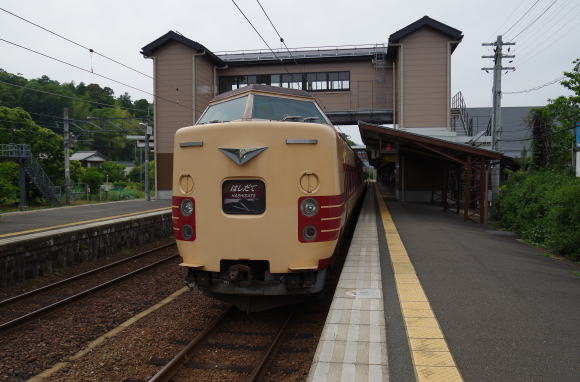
[268, 226]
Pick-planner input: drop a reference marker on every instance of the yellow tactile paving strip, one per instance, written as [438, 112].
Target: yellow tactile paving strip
[432, 359]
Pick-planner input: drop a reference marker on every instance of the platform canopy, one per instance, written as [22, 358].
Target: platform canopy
[426, 169]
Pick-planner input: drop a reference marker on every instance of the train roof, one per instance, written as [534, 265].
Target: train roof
[263, 88]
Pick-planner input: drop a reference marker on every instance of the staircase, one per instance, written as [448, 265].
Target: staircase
[459, 113]
[23, 154]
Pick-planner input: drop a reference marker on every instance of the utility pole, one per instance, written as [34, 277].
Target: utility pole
[148, 133]
[66, 158]
[496, 112]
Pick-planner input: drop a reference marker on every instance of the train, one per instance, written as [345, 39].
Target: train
[263, 188]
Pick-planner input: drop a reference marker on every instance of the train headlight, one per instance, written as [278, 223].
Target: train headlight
[186, 207]
[187, 231]
[309, 207]
[309, 233]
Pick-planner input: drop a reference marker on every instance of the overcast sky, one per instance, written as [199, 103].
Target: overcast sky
[119, 29]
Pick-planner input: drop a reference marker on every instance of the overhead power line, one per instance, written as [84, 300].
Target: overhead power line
[253, 27]
[76, 43]
[521, 17]
[281, 39]
[95, 73]
[535, 20]
[538, 87]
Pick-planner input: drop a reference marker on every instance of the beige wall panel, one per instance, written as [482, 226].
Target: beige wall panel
[174, 82]
[369, 88]
[203, 83]
[425, 78]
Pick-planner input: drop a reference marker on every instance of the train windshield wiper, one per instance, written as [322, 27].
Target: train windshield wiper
[292, 118]
[308, 119]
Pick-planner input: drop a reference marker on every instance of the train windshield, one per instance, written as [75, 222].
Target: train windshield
[224, 111]
[286, 109]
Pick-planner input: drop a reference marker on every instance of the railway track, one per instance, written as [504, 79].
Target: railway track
[71, 297]
[229, 345]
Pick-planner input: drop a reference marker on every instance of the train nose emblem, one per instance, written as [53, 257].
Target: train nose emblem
[242, 155]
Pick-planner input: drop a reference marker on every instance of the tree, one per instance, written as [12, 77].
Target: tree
[113, 171]
[8, 181]
[552, 126]
[16, 126]
[94, 178]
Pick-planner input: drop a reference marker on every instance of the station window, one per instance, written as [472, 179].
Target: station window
[314, 82]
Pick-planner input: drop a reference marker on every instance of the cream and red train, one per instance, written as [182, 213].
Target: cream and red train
[263, 186]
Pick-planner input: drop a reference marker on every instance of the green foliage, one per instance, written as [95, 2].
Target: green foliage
[552, 126]
[17, 126]
[136, 173]
[8, 181]
[94, 178]
[112, 171]
[105, 136]
[544, 207]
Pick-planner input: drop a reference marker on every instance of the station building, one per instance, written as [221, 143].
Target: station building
[404, 82]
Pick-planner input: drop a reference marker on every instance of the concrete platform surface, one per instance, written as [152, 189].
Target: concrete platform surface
[26, 222]
[424, 296]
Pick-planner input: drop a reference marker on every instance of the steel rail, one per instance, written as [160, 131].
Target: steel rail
[81, 275]
[172, 367]
[27, 317]
[260, 369]
[168, 371]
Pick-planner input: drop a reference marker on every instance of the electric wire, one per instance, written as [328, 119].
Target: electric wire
[253, 27]
[548, 40]
[548, 23]
[506, 20]
[281, 39]
[94, 73]
[556, 80]
[521, 17]
[535, 20]
[69, 97]
[75, 43]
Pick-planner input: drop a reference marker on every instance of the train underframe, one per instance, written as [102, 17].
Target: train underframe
[251, 287]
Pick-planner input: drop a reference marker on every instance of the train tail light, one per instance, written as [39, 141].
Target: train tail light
[183, 216]
[319, 218]
[309, 233]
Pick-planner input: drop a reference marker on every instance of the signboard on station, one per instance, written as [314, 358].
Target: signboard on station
[578, 134]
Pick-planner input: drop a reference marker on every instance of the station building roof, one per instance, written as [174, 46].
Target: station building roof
[374, 135]
[307, 54]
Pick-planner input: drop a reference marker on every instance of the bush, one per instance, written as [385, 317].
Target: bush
[544, 207]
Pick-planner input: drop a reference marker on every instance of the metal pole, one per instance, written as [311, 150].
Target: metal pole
[66, 158]
[147, 133]
[22, 185]
[496, 112]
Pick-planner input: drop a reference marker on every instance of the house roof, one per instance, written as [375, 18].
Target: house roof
[149, 49]
[425, 21]
[88, 156]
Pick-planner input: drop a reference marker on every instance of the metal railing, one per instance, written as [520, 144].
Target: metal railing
[458, 103]
[33, 169]
[305, 52]
[13, 150]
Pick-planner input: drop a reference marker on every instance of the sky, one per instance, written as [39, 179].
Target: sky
[546, 33]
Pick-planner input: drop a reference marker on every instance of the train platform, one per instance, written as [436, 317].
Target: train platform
[424, 296]
[39, 242]
[26, 222]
